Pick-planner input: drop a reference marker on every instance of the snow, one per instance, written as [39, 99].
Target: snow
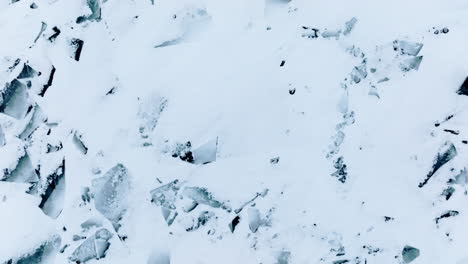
[260, 131]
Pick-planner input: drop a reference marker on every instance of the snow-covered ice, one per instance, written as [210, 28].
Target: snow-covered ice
[247, 131]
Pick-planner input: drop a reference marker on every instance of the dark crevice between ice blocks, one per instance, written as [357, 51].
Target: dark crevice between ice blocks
[449, 213]
[49, 82]
[463, 90]
[78, 45]
[52, 198]
[55, 35]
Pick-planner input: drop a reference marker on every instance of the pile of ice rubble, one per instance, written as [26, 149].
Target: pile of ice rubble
[160, 132]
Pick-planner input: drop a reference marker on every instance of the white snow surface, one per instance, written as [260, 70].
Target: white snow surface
[242, 81]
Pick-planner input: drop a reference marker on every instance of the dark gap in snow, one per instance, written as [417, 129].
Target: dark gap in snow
[463, 90]
[54, 192]
[49, 82]
[388, 218]
[53, 148]
[78, 44]
[275, 160]
[16, 63]
[310, 32]
[234, 223]
[437, 124]
[449, 213]
[55, 35]
[455, 132]
[111, 91]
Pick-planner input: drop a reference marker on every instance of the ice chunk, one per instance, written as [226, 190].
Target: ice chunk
[349, 25]
[36, 118]
[331, 34]
[92, 222]
[359, 73]
[94, 247]
[201, 220]
[462, 177]
[407, 47]
[411, 63]
[27, 72]
[190, 206]
[169, 215]
[206, 153]
[283, 257]
[150, 112]
[15, 101]
[255, 220]
[409, 254]
[95, 7]
[78, 142]
[24, 172]
[43, 28]
[447, 193]
[166, 195]
[43, 254]
[2, 137]
[201, 196]
[110, 193]
[159, 258]
[446, 153]
[341, 170]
